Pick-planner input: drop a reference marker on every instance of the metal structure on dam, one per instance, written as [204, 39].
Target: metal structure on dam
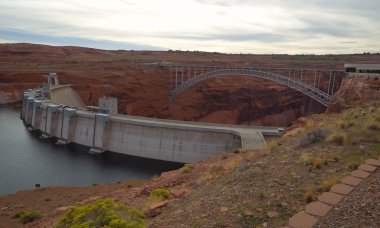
[177, 141]
[318, 84]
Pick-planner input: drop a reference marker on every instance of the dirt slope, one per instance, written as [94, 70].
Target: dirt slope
[241, 189]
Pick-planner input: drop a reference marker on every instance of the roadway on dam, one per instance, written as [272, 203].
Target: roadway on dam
[252, 136]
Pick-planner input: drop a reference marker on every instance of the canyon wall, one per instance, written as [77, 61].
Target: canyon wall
[143, 90]
[353, 92]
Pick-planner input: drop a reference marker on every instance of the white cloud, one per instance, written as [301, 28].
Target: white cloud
[270, 26]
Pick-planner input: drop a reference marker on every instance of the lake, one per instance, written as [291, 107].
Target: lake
[26, 160]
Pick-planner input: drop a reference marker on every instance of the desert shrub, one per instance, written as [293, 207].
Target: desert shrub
[328, 183]
[28, 216]
[236, 151]
[348, 114]
[186, 168]
[309, 124]
[343, 124]
[159, 194]
[233, 164]
[260, 195]
[310, 194]
[353, 159]
[307, 158]
[337, 137]
[377, 118]
[270, 145]
[374, 150]
[102, 213]
[318, 163]
[313, 136]
[217, 171]
[372, 124]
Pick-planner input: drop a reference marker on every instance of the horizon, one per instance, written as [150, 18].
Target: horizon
[236, 27]
[195, 51]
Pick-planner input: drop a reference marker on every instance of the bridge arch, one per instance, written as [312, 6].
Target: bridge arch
[314, 92]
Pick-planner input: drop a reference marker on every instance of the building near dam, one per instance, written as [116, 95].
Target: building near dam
[58, 112]
[363, 70]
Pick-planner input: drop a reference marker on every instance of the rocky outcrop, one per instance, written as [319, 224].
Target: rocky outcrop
[12, 93]
[353, 92]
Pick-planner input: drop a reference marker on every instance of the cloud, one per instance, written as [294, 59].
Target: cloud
[234, 37]
[271, 26]
[22, 36]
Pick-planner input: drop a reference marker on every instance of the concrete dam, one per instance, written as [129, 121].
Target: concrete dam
[177, 141]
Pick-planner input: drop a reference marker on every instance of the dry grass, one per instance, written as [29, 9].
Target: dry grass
[310, 194]
[307, 158]
[309, 124]
[271, 145]
[344, 124]
[237, 150]
[337, 137]
[318, 163]
[214, 173]
[354, 159]
[373, 125]
[328, 183]
[233, 164]
[186, 168]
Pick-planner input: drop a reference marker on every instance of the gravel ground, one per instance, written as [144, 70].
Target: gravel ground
[360, 209]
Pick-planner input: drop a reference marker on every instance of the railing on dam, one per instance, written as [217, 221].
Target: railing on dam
[144, 137]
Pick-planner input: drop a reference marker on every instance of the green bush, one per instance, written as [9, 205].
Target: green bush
[28, 216]
[102, 213]
[159, 194]
[186, 168]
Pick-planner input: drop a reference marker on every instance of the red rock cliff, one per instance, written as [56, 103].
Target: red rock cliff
[144, 91]
[353, 92]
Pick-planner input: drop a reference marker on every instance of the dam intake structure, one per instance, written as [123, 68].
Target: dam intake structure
[102, 130]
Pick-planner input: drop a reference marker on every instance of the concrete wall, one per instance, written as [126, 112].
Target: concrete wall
[102, 132]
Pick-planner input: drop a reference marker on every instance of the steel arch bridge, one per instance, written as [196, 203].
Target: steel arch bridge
[319, 84]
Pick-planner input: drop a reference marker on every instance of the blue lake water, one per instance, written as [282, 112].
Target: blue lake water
[26, 160]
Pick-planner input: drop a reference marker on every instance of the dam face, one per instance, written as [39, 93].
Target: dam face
[127, 135]
[176, 141]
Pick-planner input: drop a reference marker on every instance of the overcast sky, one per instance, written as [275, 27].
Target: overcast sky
[233, 26]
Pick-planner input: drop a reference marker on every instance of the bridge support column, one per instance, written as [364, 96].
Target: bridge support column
[100, 125]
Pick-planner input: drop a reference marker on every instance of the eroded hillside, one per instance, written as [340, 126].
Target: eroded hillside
[244, 188]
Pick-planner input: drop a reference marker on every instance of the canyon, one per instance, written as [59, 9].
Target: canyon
[143, 90]
[246, 188]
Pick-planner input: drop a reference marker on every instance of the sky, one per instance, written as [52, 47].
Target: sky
[233, 26]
